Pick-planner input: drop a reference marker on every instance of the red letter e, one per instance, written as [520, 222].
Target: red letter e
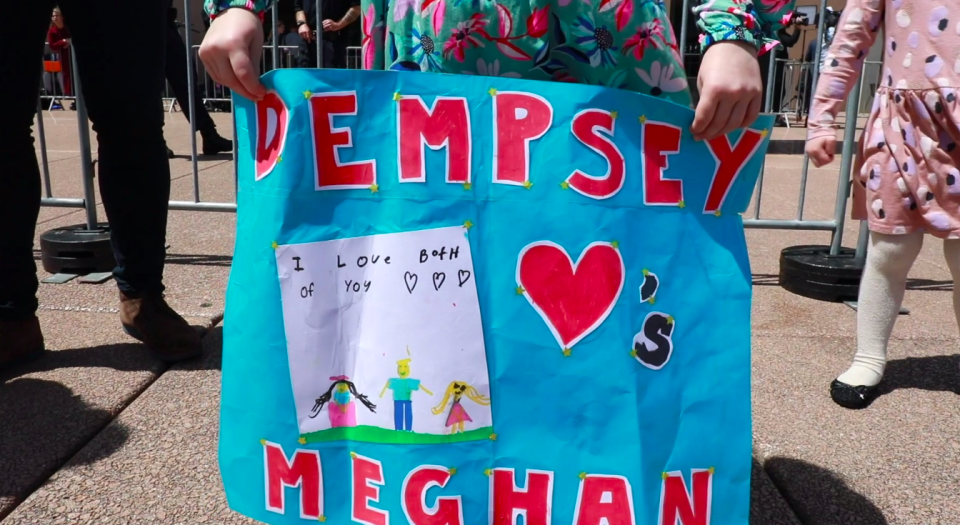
[367, 474]
[327, 141]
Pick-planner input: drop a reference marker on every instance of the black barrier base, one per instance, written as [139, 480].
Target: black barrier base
[77, 250]
[812, 272]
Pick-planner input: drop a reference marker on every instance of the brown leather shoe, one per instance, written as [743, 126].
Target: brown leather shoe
[20, 341]
[151, 321]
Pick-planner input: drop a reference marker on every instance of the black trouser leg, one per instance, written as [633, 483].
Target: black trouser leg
[21, 55]
[176, 71]
[134, 173]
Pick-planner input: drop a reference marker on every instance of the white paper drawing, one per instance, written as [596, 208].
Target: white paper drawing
[384, 338]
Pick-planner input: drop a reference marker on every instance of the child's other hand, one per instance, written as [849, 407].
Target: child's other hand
[231, 52]
[821, 150]
[730, 90]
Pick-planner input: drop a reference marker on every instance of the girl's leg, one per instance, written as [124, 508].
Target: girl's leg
[951, 252]
[882, 287]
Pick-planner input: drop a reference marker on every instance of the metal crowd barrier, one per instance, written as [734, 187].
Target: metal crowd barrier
[793, 100]
[45, 101]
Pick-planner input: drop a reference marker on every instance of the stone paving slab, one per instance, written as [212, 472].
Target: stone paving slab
[156, 463]
[50, 408]
[894, 462]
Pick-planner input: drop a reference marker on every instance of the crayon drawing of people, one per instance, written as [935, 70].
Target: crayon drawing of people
[402, 388]
[342, 410]
[457, 417]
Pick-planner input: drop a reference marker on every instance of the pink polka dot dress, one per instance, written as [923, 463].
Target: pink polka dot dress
[906, 178]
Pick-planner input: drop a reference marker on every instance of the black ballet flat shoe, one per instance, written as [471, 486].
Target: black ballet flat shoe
[853, 397]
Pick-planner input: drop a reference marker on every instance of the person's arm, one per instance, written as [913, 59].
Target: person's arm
[842, 63]
[734, 33]
[755, 22]
[349, 17]
[789, 39]
[56, 40]
[232, 47]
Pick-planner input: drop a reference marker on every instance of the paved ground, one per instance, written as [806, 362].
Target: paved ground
[98, 432]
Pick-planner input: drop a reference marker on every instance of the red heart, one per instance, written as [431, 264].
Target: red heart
[573, 299]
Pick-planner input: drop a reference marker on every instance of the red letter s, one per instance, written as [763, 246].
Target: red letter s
[586, 126]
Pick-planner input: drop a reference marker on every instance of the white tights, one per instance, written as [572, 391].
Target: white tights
[884, 282]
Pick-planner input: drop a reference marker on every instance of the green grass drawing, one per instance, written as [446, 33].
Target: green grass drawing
[368, 434]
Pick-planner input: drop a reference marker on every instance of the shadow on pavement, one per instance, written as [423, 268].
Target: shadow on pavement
[43, 425]
[939, 373]
[819, 496]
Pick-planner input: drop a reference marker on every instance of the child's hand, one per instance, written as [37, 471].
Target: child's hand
[231, 52]
[730, 90]
[821, 150]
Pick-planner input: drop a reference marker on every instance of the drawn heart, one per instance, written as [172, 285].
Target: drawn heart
[463, 276]
[573, 299]
[438, 278]
[411, 280]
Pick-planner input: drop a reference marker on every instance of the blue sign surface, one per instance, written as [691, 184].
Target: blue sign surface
[472, 300]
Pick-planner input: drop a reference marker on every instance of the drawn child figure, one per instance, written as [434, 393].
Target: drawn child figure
[457, 417]
[403, 387]
[908, 184]
[340, 395]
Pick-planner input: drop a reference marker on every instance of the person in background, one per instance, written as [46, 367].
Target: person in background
[780, 55]
[337, 15]
[58, 37]
[176, 73]
[280, 33]
[132, 167]
[906, 181]
[829, 30]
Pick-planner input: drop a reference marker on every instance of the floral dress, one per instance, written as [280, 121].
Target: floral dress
[625, 44]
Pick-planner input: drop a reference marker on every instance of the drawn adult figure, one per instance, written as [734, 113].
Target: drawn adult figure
[403, 387]
[340, 395]
[457, 417]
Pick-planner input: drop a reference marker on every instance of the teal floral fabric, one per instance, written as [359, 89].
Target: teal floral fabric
[626, 44]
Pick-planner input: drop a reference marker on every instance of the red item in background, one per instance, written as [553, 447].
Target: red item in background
[56, 36]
